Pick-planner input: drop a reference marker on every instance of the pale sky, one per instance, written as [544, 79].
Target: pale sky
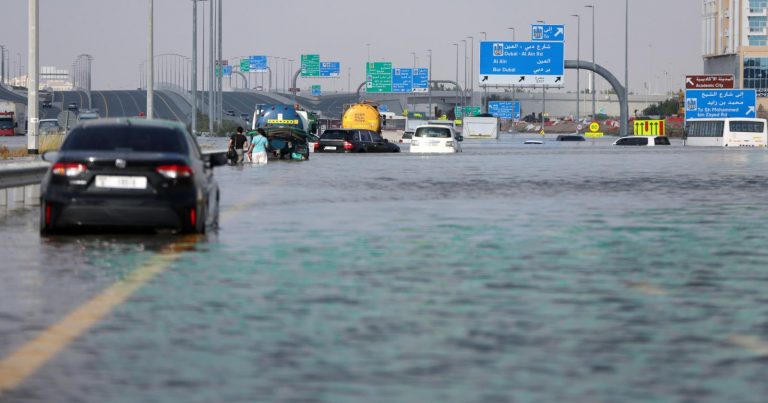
[665, 35]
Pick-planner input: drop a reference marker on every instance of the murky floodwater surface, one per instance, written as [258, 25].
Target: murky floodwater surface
[579, 273]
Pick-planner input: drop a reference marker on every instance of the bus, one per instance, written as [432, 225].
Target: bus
[726, 132]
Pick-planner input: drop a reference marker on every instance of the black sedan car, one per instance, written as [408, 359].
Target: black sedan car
[130, 173]
[354, 141]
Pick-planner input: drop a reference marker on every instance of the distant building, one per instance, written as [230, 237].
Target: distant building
[735, 41]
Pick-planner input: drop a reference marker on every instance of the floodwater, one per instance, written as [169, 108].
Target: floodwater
[507, 273]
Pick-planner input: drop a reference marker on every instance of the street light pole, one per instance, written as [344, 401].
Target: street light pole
[368, 45]
[626, 54]
[429, 83]
[578, 71]
[221, 72]
[150, 63]
[33, 75]
[472, 74]
[413, 106]
[194, 67]
[464, 93]
[211, 67]
[593, 85]
[457, 75]
[485, 87]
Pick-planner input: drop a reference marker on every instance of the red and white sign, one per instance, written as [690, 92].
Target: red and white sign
[709, 82]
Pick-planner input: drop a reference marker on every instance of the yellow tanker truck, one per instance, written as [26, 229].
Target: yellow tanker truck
[362, 116]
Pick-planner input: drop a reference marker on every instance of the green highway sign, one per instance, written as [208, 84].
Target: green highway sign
[378, 77]
[245, 65]
[310, 65]
[468, 111]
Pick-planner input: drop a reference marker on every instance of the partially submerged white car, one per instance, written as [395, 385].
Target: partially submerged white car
[435, 139]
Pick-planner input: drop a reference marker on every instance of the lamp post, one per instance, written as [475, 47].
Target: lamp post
[2, 64]
[150, 62]
[33, 75]
[626, 54]
[429, 83]
[472, 73]
[413, 106]
[485, 87]
[457, 74]
[211, 68]
[194, 67]
[578, 71]
[464, 93]
[593, 86]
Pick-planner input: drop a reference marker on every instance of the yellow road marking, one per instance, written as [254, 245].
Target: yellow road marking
[30, 357]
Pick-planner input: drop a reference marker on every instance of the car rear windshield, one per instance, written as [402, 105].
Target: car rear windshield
[441, 132]
[334, 135]
[122, 138]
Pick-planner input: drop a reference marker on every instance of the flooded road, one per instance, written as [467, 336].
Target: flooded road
[507, 273]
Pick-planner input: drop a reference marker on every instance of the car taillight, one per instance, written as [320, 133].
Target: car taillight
[192, 216]
[174, 171]
[68, 169]
[449, 143]
[347, 145]
[317, 146]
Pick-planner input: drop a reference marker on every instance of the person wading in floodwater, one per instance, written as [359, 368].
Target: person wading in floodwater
[237, 142]
[258, 149]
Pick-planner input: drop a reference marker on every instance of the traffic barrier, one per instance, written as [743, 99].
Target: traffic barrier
[20, 183]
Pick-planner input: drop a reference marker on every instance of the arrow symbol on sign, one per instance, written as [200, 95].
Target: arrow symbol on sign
[559, 32]
[485, 78]
[521, 79]
[689, 81]
[751, 110]
[557, 80]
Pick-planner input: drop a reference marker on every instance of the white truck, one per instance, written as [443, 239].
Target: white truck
[478, 127]
[13, 118]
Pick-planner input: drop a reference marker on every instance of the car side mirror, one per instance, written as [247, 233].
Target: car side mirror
[50, 156]
[386, 141]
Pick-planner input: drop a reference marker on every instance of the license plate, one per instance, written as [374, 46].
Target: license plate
[330, 147]
[121, 182]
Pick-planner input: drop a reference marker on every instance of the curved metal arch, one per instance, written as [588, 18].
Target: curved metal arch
[621, 92]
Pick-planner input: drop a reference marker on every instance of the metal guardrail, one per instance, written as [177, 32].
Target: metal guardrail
[25, 174]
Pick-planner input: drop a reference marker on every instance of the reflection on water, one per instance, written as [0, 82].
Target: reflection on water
[587, 274]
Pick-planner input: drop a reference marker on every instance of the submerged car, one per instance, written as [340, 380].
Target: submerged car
[354, 141]
[130, 173]
[642, 141]
[570, 137]
[435, 139]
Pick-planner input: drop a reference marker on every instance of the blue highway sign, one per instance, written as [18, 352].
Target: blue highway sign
[402, 80]
[258, 63]
[505, 109]
[552, 33]
[522, 63]
[720, 104]
[330, 69]
[227, 71]
[421, 80]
